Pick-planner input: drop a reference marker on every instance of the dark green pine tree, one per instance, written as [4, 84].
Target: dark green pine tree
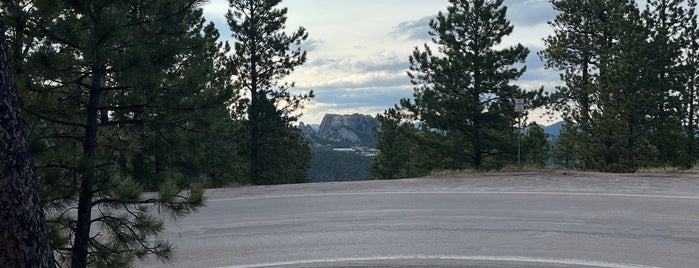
[689, 38]
[192, 136]
[397, 141]
[110, 89]
[574, 51]
[614, 91]
[667, 22]
[464, 92]
[566, 151]
[535, 146]
[264, 55]
[627, 96]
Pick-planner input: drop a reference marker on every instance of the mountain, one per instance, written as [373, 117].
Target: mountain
[342, 131]
[554, 129]
[308, 132]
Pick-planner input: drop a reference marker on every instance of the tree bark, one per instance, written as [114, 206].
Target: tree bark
[24, 240]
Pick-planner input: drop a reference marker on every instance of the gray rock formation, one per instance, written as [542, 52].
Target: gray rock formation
[308, 132]
[342, 131]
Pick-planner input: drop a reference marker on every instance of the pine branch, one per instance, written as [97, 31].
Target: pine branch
[52, 120]
[123, 201]
[122, 122]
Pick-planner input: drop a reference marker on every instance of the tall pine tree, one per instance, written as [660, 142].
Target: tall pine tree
[601, 50]
[623, 80]
[464, 92]
[23, 232]
[689, 39]
[264, 55]
[667, 22]
[400, 154]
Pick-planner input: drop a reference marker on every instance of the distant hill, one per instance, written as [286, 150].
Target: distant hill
[554, 129]
[336, 131]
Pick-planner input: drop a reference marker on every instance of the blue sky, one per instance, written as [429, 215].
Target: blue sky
[358, 49]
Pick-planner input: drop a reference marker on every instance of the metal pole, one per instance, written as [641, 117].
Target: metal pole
[519, 109]
[519, 139]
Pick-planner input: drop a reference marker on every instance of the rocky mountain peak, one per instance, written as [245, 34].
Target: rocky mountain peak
[343, 131]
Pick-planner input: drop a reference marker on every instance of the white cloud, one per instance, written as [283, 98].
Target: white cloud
[358, 53]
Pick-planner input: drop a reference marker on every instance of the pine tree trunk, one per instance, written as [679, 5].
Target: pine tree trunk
[24, 239]
[83, 224]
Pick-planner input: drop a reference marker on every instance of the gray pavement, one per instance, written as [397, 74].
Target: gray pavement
[509, 220]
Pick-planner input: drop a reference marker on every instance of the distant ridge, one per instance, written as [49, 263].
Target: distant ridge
[554, 129]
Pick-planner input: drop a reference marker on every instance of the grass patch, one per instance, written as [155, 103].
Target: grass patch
[505, 169]
[521, 168]
[662, 170]
[452, 172]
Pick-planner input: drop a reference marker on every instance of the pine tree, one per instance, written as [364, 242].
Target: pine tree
[400, 155]
[566, 151]
[666, 22]
[264, 55]
[108, 87]
[23, 232]
[690, 95]
[617, 90]
[463, 93]
[535, 146]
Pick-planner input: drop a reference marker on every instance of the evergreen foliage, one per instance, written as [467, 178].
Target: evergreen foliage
[328, 165]
[535, 146]
[120, 97]
[401, 155]
[463, 95]
[566, 152]
[626, 86]
[689, 40]
[264, 55]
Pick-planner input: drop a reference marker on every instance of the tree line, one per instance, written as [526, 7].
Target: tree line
[629, 93]
[123, 97]
[630, 82]
[328, 165]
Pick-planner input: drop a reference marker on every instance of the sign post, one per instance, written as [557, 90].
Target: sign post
[519, 106]
[519, 109]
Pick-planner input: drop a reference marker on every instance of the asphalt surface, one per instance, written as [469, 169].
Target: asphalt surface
[517, 220]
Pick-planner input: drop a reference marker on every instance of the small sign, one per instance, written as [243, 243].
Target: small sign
[519, 105]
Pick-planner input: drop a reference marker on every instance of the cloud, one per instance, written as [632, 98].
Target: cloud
[359, 66]
[351, 85]
[537, 75]
[522, 13]
[389, 63]
[413, 29]
[529, 12]
[310, 44]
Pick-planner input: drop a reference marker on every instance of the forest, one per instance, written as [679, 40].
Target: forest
[629, 93]
[132, 108]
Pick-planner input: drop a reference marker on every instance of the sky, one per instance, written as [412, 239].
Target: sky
[358, 49]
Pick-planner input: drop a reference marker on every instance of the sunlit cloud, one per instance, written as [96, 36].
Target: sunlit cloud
[413, 29]
[527, 13]
[358, 49]
[315, 111]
